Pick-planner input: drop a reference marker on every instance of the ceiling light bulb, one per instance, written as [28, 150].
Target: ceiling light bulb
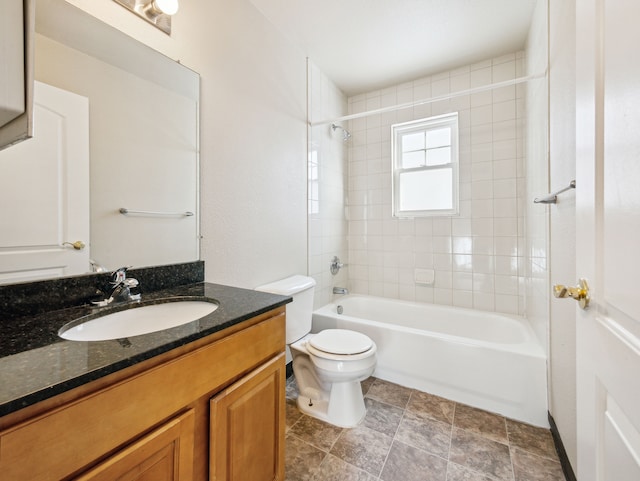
[168, 7]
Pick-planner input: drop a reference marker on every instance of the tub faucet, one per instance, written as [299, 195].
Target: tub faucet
[340, 290]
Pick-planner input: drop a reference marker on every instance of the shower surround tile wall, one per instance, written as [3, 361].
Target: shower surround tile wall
[537, 174]
[327, 185]
[477, 256]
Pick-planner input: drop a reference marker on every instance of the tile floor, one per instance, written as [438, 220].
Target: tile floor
[408, 435]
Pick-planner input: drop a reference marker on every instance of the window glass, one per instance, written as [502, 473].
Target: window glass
[313, 183]
[425, 167]
[426, 190]
[438, 138]
[415, 141]
[413, 159]
[439, 156]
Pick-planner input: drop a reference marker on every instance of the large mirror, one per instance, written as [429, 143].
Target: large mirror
[110, 177]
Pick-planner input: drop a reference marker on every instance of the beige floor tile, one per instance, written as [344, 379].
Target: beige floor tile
[382, 417]
[315, 432]
[389, 393]
[429, 435]
[481, 454]
[492, 426]
[407, 463]
[366, 385]
[455, 472]
[532, 439]
[335, 469]
[409, 435]
[301, 459]
[364, 448]
[292, 413]
[428, 406]
[529, 467]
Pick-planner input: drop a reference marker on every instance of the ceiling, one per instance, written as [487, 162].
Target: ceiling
[363, 45]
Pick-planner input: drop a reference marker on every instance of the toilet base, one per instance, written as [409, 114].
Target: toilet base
[345, 407]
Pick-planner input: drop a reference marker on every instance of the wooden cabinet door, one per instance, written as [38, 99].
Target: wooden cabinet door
[165, 454]
[247, 427]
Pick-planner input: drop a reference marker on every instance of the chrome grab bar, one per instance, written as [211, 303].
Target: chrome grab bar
[125, 211]
[553, 197]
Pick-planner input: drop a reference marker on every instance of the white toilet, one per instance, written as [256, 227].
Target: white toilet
[328, 366]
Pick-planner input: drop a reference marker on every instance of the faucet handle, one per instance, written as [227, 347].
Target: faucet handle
[120, 275]
[335, 265]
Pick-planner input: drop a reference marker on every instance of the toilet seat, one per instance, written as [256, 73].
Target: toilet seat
[340, 344]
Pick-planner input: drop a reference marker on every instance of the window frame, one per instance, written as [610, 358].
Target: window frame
[449, 120]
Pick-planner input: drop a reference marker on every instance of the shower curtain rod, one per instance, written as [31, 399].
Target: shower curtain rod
[406, 105]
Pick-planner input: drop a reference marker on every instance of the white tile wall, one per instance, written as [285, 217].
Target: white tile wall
[478, 256]
[327, 223]
[537, 178]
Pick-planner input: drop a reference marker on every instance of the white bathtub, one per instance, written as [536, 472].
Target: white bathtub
[483, 359]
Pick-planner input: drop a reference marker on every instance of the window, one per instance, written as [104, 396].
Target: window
[425, 167]
[313, 180]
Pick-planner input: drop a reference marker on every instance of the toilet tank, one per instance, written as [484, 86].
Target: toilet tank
[300, 288]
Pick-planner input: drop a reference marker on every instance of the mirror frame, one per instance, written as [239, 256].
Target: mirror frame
[21, 128]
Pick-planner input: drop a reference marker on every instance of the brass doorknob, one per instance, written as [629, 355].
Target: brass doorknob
[77, 245]
[580, 293]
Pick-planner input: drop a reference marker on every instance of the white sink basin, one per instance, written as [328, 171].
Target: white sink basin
[137, 320]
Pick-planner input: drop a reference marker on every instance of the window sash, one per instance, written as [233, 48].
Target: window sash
[401, 200]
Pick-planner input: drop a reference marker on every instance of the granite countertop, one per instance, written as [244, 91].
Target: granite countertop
[36, 364]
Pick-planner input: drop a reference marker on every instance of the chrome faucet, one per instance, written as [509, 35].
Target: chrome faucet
[340, 290]
[121, 289]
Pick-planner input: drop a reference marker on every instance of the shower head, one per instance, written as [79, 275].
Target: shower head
[346, 135]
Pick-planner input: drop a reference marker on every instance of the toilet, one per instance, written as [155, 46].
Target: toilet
[328, 366]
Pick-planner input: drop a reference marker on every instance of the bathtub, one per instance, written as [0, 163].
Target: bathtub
[483, 359]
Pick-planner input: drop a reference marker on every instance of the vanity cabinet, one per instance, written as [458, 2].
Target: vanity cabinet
[177, 416]
[247, 427]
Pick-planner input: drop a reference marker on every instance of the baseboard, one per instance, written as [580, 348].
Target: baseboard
[562, 453]
[289, 370]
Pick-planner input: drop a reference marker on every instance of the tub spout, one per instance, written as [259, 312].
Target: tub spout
[340, 290]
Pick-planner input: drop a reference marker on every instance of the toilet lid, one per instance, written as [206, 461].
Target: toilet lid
[341, 341]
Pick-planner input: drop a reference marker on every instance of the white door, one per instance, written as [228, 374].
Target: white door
[44, 191]
[608, 239]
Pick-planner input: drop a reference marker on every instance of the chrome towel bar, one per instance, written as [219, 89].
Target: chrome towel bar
[553, 197]
[125, 211]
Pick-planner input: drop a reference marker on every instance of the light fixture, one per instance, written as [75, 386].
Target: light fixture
[156, 12]
[158, 7]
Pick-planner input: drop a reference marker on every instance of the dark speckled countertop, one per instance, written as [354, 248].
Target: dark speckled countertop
[36, 364]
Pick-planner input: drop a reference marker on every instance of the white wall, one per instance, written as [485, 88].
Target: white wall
[551, 229]
[477, 256]
[253, 134]
[562, 169]
[327, 188]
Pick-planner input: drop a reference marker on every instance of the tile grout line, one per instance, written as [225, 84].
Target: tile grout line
[513, 469]
[453, 420]
[394, 434]
[393, 438]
